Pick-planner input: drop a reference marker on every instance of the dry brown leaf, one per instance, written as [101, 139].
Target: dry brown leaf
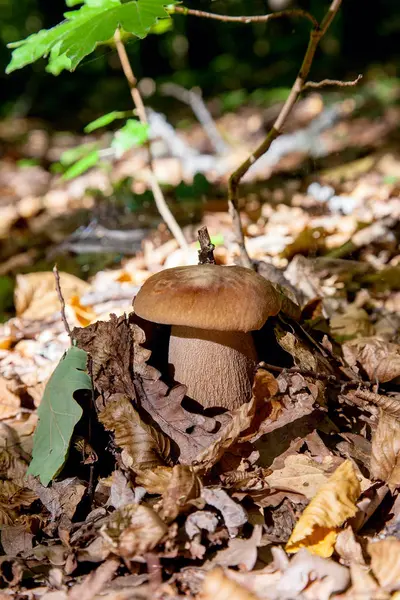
[94, 582]
[12, 498]
[333, 504]
[354, 323]
[183, 486]
[10, 403]
[300, 474]
[385, 452]
[218, 586]
[36, 296]
[233, 513]
[240, 552]
[133, 529]
[363, 585]
[145, 447]
[201, 520]
[155, 480]
[62, 498]
[16, 539]
[380, 360]
[385, 563]
[348, 548]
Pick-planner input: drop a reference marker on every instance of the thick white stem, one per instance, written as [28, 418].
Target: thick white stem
[216, 366]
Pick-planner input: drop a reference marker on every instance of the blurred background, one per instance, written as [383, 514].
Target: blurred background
[227, 60]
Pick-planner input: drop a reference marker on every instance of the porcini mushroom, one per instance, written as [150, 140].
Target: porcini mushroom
[212, 310]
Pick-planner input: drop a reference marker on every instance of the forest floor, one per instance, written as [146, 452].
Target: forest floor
[294, 494]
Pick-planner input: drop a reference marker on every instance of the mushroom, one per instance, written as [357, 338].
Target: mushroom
[212, 310]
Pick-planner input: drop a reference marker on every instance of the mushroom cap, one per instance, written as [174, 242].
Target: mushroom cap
[208, 297]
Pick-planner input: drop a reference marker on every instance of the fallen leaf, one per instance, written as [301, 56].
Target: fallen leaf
[333, 504]
[300, 474]
[233, 513]
[363, 585]
[183, 486]
[36, 296]
[348, 548]
[201, 520]
[353, 323]
[240, 552]
[385, 563]
[155, 480]
[94, 582]
[62, 498]
[133, 529]
[13, 497]
[380, 360]
[145, 446]
[10, 402]
[58, 414]
[385, 451]
[218, 586]
[16, 539]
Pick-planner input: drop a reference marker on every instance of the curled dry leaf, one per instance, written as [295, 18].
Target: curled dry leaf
[12, 498]
[233, 513]
[385, 562]
[145, 446]
[240, 552]
[183, 486]
[380, 360]
[201, 520]
[155, 480]
[218, 586]
[328, 577]
[36, 297]
[348, 548]
[9, 401]
[385, 452]
[133, 529]
[62, 498]
[333, 504]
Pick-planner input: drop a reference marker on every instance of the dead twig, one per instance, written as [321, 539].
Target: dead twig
[62, 302]
[159, 199]
[325, 82]
[316, 34]
[295, 12]
[322, 376]
[206, 252]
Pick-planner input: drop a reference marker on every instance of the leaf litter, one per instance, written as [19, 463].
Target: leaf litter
[294, 494]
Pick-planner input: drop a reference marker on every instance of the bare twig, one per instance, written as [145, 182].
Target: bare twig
[307, 373]
[315, 36]
[159, 199]
[200, 110]
[206, 252]
[62, 302]
[295, 12]
[325, 82]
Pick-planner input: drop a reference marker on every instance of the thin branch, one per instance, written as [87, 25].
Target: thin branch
[295, 12]
[307, 373]
[319, 84]
[159, 199]
[62, 302]
[233, 199]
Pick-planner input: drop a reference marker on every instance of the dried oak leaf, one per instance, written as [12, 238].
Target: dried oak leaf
[15, 539]
[379, 359]
[183, 486]
[144, 445]
[333, 504]
[385, 452]
[133, 530]
[233, 513]
[12, 498]
[155, 480]
[385, 562]
[201, 440]
[217, 586]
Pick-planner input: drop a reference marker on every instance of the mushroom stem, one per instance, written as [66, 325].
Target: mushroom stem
[216, 366]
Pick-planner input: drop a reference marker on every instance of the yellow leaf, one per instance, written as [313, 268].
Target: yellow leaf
[333, 504]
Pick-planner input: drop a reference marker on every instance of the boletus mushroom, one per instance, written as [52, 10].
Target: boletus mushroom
[212, 310]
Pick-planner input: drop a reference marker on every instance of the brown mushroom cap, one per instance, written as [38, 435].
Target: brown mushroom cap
[208, 297]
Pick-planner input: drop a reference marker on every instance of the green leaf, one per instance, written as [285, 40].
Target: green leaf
[83, 165]
[73, 154]
[76, 37]
[58, 414]
[133, 133]
[105, 120]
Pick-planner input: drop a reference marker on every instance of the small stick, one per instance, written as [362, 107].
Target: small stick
[62, 302]
[206, 252]
[159, 199]
[295, 12]
[319, 84]
[305, 372]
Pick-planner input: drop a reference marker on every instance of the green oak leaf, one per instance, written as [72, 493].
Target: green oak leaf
[96, 21]
[133, 133]
[58, 414]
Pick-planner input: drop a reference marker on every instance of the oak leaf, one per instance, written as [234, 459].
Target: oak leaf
[385, 451]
